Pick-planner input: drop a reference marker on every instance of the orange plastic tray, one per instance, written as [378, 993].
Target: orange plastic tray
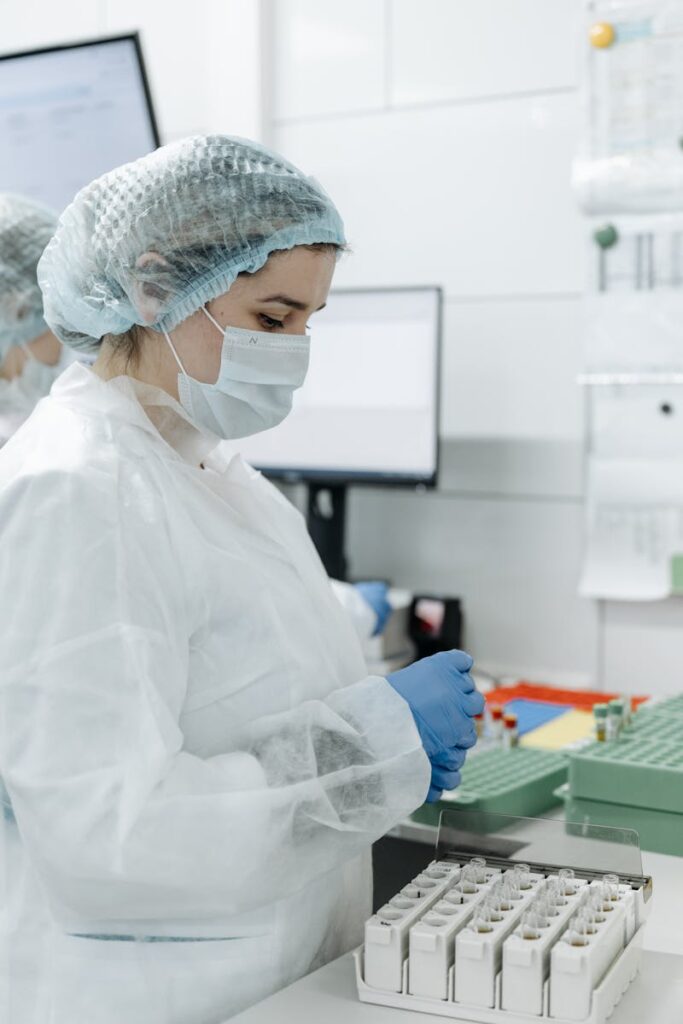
[555, 695]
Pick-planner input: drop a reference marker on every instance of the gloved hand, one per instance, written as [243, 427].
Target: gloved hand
[443, 699]
[376, 594]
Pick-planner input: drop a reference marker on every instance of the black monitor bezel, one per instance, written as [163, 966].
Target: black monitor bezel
[133, 37]
[303, 475]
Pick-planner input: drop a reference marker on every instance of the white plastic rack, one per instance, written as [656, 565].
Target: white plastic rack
[496, 943]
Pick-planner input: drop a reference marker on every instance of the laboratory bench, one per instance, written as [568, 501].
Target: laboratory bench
[329, 996]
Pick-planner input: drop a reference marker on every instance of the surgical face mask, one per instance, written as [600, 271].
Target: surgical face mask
[258, 376]
[32, 384]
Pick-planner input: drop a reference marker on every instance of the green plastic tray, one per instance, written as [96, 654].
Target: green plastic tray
[669, 706]
[521, 781]
[659, 831]
[632, 772]
[659, 727]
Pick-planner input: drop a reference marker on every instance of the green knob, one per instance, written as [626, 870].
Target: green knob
[606, 236]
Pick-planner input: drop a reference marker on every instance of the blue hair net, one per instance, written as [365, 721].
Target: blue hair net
[153, 241]
[25, 229]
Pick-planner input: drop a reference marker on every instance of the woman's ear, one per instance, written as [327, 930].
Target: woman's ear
[149, 293]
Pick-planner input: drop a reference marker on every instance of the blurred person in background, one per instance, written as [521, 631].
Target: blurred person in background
[31, 357]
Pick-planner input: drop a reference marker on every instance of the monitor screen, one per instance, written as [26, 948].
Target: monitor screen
[71, 113]
[368, 410]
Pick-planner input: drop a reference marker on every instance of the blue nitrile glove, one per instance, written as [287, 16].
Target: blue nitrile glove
[376, 594]
[443, 699]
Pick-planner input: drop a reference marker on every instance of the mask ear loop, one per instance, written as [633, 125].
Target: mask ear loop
[175, 354]
[214, 322]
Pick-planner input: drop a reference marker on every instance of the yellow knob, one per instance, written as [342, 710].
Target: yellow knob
[602, 35]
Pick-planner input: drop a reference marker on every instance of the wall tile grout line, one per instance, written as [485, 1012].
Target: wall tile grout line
[462, 300]
[388, 56]
[407, 108]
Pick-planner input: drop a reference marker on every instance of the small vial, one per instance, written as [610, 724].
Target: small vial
[468, 881]
[588, 921]
[611, 886]
[481, 921]
[577, 933]
[530, 927]
[594, 907]
[478, 869]
[615, 713]
[496, 714]
[493, 908]
[479, 725]
[545, 910]
[522, 873]
[600, 722]
[509, 893]
[554, 894]
[567, 881]
[510, 732]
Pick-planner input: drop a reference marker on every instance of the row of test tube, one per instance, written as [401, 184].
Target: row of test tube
[569, 946]
[488, 938]
[499, 726]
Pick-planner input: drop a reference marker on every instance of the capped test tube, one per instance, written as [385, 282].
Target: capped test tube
[600, 722]
[615, 715]
[578, 963]
[386, 932]
[526, 953]
[510, 730]
[496, 717]
[478, 946]
[432, 938]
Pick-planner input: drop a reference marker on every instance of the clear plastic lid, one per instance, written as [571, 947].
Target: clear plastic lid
[540, 844]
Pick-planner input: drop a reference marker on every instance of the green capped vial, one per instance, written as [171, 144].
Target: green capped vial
[600, 720]
[615, 718]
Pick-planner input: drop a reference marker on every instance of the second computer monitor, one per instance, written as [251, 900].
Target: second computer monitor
[369, 409]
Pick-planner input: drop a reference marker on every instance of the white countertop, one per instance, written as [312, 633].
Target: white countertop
[328, 996]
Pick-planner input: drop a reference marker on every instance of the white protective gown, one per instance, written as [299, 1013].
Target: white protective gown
[195, 762]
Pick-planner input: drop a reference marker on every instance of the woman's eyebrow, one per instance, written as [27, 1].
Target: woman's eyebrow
[286, 300]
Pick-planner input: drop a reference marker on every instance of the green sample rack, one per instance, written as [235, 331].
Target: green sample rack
[520, 781]
[636, 781]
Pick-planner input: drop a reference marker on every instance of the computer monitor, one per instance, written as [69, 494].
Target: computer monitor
[369, 410]
[70, 113]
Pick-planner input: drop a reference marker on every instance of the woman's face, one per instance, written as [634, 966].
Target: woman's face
[280, 299]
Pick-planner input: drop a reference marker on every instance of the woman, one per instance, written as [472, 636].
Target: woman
[31, 358]
[196, 760]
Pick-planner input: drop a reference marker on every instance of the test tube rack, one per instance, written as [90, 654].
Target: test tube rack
[431, 954]
[521, 781]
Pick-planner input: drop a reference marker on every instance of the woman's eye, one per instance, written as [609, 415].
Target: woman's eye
[270, 321]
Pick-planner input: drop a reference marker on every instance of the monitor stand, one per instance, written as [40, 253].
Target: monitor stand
[326, 519]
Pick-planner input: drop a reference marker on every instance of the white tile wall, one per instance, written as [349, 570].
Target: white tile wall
[204, 69]
[328, 56]
[30, 24]
[513, 562]
[476, 198]
[445, 50]
[510, 368]
[643, 646]
[446, 139]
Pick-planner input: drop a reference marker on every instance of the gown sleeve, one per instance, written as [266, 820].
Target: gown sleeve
[119, 820]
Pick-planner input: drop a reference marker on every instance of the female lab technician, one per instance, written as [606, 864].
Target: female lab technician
[31, 357]
[196, 760]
